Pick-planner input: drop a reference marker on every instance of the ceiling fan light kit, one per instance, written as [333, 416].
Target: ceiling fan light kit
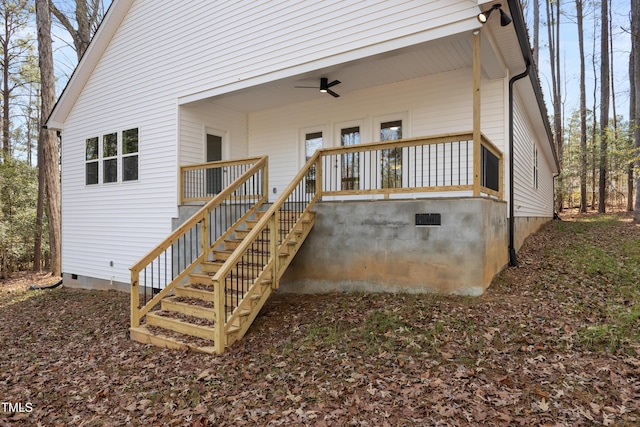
[325, 86]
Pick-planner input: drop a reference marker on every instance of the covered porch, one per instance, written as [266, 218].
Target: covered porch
[422, 121]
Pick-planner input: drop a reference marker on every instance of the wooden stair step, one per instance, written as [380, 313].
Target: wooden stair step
[191, 292]
[181, 326]
[170, 304]
[231, 244]
[143, 335]
[241, 234]
[222, 255]
[204, 278]
[211, 266]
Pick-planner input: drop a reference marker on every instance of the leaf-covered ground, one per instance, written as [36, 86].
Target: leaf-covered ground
[552, 342]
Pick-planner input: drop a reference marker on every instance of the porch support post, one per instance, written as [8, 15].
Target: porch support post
[476, 113]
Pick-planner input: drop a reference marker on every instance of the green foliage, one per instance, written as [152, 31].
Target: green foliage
[594, 263]
[620, 153]
[18, 198]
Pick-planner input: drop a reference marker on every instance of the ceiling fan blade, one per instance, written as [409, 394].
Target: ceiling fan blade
[306, 87]
[332, 93]
[333, 83]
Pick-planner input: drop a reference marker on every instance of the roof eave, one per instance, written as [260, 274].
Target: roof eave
[523, 39]
[106, 30]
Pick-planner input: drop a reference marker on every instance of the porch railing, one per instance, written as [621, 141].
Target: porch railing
[427, 164]
[158, 272]
[259, 251]
[202, 182]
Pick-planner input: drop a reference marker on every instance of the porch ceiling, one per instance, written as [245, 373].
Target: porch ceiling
[447, 54]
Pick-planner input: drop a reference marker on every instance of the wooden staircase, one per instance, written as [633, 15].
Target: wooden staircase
[187, 318]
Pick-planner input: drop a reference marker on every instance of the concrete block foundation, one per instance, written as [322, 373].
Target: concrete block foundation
[376, 246]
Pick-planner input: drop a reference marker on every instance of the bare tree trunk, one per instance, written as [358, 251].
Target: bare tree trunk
[37, 237]
[87, 14]
[635, 113]
[6, 91]
[583, 111]
[4, 268]
[47, 138]
[553, 24]
[604, 104]
[632, 113]
[594, 129]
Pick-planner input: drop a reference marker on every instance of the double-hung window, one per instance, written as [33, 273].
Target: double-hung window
[535, 167]
[105, 157]
[110, 158]
[130, 155]
[91, 157]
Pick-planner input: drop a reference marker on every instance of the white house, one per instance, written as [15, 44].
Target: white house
[438, 204]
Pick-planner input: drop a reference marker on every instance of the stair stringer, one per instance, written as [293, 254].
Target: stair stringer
[238, 324]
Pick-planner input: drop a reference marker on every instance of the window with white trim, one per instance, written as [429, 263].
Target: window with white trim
[130, 155]
[106, 156]
[110, 158]
[91, 158]
[535, 167]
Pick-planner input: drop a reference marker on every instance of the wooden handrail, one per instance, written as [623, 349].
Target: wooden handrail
[387, 145]
[269, 219]
[201, 216]
[197, 217]
[473, 185]
[491, 147]
[260, 225]
[221, 165]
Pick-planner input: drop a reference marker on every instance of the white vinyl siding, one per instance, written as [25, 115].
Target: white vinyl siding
[528, 200]
[194, 122]
[275, 132]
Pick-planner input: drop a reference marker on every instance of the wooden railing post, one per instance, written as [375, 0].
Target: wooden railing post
[135, 298]
[204, 229]
[274, 234]
[319, 177]
[265, 178]
[219, 340]
[181, 180]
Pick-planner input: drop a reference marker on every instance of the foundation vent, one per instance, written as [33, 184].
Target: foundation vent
[428, 219]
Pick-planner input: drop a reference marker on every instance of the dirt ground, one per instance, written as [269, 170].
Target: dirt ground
[553, 342]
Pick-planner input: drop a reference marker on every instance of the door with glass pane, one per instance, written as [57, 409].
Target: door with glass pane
[214, 154]
[350, 162]
[312, 143]
[391, 159]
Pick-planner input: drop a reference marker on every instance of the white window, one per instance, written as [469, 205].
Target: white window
[110, 158]
[105, 156]
[91, 157]
[130, 155]
[535, 167]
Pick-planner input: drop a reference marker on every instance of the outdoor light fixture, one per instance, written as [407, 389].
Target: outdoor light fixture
[324, 85]
[505, 19]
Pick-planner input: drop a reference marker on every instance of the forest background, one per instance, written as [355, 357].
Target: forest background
[583, 51]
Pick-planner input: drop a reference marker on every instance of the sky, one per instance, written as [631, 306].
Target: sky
[569, 50]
